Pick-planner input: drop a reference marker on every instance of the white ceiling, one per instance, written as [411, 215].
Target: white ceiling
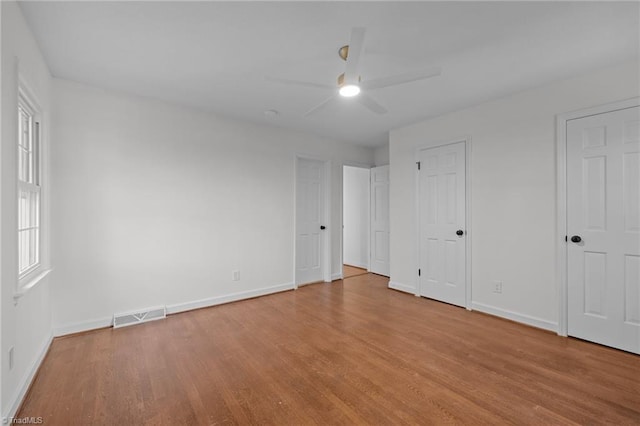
[216, 55]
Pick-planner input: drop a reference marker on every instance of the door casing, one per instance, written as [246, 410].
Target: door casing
[326, 213]
[469, 234]
[362, 166]
[561, 201]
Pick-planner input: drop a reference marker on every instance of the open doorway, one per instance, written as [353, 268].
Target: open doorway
[356, 216]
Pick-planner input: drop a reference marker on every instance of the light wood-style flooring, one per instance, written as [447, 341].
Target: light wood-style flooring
[349, 271]
[354, 353]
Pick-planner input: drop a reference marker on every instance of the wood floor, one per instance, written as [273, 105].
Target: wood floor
[349, 271]
[333, 354]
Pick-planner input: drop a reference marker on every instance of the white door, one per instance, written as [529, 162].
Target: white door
[603, 224]
[309, 221]
[442, 211]
[380, 220]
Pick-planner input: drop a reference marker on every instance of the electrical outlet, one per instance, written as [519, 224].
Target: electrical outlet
[497, 286]
[235, 275]
[11, 358]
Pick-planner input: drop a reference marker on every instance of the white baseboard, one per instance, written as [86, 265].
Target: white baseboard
[336, 276]
[28, 377]
[402, 287]
[233, 297]
[515, 316]
[78, 327]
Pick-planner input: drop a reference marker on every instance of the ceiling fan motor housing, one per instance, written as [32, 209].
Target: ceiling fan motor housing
[341, 80]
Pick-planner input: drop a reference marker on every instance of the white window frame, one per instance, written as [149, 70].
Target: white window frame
[29, 277]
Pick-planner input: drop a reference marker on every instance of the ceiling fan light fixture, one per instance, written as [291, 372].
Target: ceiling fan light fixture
[349, 90]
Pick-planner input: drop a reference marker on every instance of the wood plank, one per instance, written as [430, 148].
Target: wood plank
[349, 271]
[354, 353]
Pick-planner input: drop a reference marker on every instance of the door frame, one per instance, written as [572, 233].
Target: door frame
[467, 214]
[371, 212]
[562, 120]
[361, 166]
[326, 215]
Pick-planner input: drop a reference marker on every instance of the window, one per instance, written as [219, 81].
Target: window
[29, 188]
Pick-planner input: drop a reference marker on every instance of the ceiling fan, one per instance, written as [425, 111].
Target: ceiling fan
[350, 83]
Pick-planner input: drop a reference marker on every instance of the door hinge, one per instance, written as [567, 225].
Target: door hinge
[566, 238]
[418, 163]
[419, 272]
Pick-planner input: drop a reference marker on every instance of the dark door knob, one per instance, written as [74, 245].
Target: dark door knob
[459, 232]
[323, 227]
[576, 239]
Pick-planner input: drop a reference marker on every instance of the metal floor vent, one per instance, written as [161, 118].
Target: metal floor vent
[132, 318]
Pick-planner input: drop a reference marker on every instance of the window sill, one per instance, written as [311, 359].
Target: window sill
[30, 284]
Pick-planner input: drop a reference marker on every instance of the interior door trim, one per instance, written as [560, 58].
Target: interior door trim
[469, 234]
[562, 284]
[327, 240]
[341, 225]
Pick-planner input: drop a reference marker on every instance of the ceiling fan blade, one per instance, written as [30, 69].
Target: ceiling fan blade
[371, 103]
[320, 106]
[353, 57]
[394, 80]
[299, 83]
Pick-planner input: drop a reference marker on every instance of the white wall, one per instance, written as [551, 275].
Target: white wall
[157, 204]
[513, 190]
[381, 155]
[26, 324]
[356, 216]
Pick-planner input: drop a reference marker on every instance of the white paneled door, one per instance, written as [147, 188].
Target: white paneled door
[603, 224]
[379, 263]
[442, 211]
[309, 221]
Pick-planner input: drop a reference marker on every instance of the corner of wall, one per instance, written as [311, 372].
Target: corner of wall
[29, 375]
[381, 155]
[26, 326]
